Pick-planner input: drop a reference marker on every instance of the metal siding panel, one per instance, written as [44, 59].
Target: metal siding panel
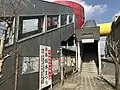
[29, 82]
[8, 71]
[31, 48]
[43, 7]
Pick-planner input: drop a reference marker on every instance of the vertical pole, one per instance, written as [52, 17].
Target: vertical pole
[15, 55]
[67, 44]
[44, 24]
[99, 57]
[62, 67]
[16, 73]
[59, 21]
[76, 57]
[79, 57]
[67, 19]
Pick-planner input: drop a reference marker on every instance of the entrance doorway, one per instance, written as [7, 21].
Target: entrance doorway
[89, 51]
[90, 57]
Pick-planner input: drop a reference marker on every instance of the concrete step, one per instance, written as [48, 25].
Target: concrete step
[85, 64]
[89, 72]
[89, 68]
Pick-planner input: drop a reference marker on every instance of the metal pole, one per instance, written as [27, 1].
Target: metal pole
[62, 67]
[76, 57]
[79, 57]
[99, 57]
[16, 73]
[15, 55]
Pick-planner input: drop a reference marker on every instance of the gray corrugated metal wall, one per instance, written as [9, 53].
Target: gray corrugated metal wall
[41, 7]
[31, 46]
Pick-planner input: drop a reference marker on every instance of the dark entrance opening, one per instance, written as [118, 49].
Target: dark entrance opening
[90, 52]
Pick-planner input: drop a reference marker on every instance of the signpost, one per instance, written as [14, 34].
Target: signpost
[45, 72]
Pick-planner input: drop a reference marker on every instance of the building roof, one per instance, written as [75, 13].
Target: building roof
[117, 22]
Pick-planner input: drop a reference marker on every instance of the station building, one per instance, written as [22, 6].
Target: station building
[38, 23]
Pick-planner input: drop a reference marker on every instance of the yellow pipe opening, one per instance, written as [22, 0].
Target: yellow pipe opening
[105, 28]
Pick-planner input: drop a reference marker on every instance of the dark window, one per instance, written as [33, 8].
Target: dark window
[70, 18]
[52, 21]
[63, 19]
[30, 25]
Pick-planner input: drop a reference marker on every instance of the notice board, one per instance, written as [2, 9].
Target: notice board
[45, 72]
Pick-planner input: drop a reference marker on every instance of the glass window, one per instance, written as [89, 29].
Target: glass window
[70, 18]
[30, 25]
[63, 19]
[30, 65]
[52, 21]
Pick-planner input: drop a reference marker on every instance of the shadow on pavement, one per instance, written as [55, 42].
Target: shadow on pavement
[106, 81]
[109, 61]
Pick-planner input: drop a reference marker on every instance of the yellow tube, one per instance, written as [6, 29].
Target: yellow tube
[105, 28]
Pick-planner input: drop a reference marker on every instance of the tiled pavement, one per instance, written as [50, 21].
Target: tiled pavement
[86, 82]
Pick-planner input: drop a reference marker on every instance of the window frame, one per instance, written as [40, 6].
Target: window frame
[66, 19]
[22, 35]
[51, 22]
[72, 18]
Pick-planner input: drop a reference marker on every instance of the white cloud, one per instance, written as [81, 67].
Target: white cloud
[90, 10]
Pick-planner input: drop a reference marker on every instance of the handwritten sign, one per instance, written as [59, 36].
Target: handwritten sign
[45, 73]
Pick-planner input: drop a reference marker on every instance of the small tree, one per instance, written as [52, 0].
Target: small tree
[9, 11]
[113, 48]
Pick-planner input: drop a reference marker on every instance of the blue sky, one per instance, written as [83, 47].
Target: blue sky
[100, 10]
[113, 7]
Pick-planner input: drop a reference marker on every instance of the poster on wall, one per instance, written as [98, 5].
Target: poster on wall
[30, 65]
[45, 73]
[55, 66]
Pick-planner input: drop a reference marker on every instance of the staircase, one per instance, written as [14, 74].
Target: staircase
[89, 68]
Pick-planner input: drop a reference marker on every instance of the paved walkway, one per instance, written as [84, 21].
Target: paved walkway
[86, 82]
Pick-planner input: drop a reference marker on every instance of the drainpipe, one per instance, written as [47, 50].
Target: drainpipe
[99, 57]
[79, 58]
[76, 56]
[62, 67]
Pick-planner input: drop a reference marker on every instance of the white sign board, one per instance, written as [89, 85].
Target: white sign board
[87, 40]
[45, 73]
